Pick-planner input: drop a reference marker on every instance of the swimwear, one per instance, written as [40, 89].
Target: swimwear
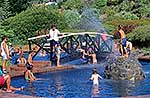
[2, 80]
[124, 41]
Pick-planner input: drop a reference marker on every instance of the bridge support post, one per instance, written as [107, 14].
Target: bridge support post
[29, 45]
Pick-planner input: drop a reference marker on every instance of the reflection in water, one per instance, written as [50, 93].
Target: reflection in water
[75, 84]
[59, 87]
[31, 88]
[95, 91]
[123, 88]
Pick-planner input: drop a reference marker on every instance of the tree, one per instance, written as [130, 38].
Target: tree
[19, 5]
[28, 22]
[4, 10]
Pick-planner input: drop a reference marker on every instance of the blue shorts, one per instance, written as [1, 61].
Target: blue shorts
[124, 41]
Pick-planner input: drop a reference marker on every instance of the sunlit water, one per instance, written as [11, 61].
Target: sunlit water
[75, 83]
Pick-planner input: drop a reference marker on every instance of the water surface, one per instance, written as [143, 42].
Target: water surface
[75, 83]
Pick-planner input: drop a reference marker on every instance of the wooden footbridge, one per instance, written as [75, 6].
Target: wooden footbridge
[99, 42]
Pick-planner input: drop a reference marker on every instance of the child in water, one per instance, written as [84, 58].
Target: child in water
[95, 76]
[58, 52]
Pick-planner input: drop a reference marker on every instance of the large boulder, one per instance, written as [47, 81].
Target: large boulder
[121, 68]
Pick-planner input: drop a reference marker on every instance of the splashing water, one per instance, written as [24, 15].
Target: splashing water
[90, 20]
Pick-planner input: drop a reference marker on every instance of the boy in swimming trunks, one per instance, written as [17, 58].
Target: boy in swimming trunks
[123, 41]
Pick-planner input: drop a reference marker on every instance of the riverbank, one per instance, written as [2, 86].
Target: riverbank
[39, 67]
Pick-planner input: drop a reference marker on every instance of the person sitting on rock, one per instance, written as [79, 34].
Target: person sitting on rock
[129, 47]
[28, 74]
[29, 65]
[5, 81]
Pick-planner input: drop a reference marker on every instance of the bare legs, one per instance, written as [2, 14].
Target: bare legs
[8, 87]
[4, 64]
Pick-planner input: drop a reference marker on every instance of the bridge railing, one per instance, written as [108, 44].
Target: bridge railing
[99, 42]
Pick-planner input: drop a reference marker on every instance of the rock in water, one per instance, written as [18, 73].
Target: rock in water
[121, 68]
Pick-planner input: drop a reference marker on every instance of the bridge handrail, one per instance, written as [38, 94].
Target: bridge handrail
[66, 35]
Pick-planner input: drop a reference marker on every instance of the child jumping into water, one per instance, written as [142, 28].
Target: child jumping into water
[95, 76]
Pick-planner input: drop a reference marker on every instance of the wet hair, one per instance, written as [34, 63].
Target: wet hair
[30, 67]
[4, 37]
[95, 71]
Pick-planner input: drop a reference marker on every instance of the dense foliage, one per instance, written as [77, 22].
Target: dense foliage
[140, 36]
[22, 18]
[28, 22]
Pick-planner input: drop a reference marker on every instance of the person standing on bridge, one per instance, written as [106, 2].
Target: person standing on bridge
[53, 33]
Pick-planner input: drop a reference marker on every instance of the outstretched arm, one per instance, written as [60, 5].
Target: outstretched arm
[100, 77]
[92, 77]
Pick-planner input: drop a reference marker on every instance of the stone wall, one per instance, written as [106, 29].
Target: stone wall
[121, 68]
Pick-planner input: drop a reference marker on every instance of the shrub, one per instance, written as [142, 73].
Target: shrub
[72, 18]
[27, 22]
[73, 4]
[141, 33]
[140, 36]
[126, 15]
[99, 3]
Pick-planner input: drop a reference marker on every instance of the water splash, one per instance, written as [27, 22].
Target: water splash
[90, 20]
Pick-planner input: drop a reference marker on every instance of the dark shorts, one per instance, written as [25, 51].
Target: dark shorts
[124, 41]
[53, 42]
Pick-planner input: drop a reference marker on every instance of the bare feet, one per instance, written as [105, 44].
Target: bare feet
[9, 91]
[21, 88]
[59, 65]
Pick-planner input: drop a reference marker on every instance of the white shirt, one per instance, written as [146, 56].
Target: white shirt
[3, 52]
[54, 34]
[95, 77]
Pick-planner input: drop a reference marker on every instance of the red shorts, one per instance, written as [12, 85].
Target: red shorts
[2, 81]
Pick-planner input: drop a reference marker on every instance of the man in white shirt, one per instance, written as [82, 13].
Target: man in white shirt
[53, 33]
